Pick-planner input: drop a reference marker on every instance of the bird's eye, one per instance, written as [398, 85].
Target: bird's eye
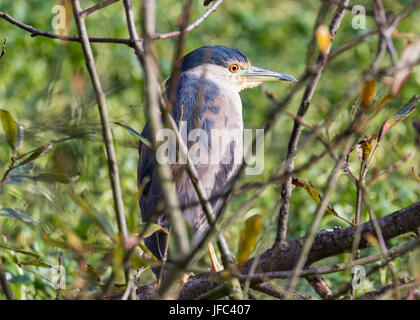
[233, 68]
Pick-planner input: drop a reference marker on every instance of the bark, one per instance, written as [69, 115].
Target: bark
[327, 243]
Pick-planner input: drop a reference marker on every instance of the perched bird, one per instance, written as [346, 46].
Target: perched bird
[206, 97]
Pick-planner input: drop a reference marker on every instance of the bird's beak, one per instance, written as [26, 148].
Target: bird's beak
[255, 74]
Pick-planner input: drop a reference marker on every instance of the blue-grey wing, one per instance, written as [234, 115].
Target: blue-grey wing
[150, 197]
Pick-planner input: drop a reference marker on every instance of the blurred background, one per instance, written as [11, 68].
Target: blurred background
[45, 87]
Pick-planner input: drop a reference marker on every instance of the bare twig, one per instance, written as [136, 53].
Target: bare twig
[294, 138]
[36, 32]
[98, 6]
[332, 180]
[106, 127]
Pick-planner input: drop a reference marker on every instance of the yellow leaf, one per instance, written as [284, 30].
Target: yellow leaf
[368, 93]
[151, 229]
[93, 273]
[248, 238]
[9, 127]
[317, 197]
[365, 146]
[323, 38]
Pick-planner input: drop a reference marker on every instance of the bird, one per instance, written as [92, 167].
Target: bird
[206, 99]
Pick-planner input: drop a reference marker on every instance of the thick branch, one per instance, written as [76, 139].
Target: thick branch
[327, 243]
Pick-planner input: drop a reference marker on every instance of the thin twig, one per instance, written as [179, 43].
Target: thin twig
[146, 58]
[98, 6]
[332, 181]
[106, 127]
[36, 32]
[297, 128]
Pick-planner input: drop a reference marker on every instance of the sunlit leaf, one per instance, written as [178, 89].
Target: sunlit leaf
[151, 228]
[17, 214]
[317, 197]
[402, 113]
[138, 262]
[147, 251]
[323, 38]
[248, 238]
[9, 127]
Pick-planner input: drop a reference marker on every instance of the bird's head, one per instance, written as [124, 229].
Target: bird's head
[228, 66]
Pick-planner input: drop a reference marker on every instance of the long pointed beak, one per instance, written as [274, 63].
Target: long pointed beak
[256, 74]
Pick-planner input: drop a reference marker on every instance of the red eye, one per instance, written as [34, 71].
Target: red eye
[233, 68]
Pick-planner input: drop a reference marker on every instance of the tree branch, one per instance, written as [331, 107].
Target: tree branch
[303, 108]
[106, 127]
[36, 32]
[327, 243]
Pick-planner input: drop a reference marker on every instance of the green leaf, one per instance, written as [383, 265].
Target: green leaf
[18, 174]
[402, 113]
[317, 197]
[151, 229]
[37, 153]
[248, 238]
[28, 253]
[35, 263]
[138, 262]
[135, 134]
[9, 127]
[17, 214]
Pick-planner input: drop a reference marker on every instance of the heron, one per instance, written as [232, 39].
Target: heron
[205, 97]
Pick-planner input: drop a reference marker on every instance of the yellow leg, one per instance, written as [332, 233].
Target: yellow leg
[215, 265]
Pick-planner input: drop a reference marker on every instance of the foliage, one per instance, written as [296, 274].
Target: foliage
[56, 196]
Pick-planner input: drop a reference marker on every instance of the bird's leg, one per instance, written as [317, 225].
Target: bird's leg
[215, 265]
